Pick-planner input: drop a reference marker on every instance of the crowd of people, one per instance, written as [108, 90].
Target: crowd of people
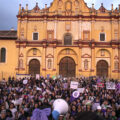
[18, 99]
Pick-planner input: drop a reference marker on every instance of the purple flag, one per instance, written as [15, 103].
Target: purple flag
[118, 86]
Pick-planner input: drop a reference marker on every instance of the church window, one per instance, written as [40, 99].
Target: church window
[68, 39]
[35, 36]
[102, 36]
[3, 55]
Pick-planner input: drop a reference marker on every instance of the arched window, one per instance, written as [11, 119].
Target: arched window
[49, 63]
[68, 39]
[116, 65]
[86, 64]
[3, 55]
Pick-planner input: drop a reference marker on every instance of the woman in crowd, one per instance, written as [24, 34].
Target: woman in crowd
[18, 100]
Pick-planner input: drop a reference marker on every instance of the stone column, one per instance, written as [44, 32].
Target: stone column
[119, 46]
[112, 29]
[19, 28]
[111, 63]
[43, 64]
[80, 60]
[55, 30]
[93, 62]
[25, 33]
[92, 30]
[45, 29]
[79, 29]
[80, 46]
[55, 67]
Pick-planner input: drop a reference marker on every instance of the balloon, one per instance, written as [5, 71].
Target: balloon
[60, 107]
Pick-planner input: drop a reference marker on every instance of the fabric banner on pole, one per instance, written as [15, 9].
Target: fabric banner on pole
[118, 86]
[98, 80]
[74, 85]
[54, 77]
[110, 85]
[65, 85]
[48, 76]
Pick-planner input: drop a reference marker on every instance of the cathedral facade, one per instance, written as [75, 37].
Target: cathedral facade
[68, 39]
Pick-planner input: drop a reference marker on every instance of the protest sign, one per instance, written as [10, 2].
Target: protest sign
[110, 85]
[39, 89]
[100, 85]
[17, 102]
[73, 85]
[54, 77]
[18, 76]
[75, 94]
[81, 90]
[38, 76]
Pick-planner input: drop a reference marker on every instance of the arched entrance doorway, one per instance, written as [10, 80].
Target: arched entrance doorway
[34, 67]
[102, 68]
[67, 67]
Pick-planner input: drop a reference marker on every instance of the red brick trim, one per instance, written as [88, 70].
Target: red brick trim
[44, 69]
[69, 16]
[20, 69]
[115, 71]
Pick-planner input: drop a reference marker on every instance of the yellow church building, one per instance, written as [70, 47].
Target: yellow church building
[68, 39]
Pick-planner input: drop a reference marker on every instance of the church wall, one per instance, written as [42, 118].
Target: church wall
[102, 27]
[9, 67]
